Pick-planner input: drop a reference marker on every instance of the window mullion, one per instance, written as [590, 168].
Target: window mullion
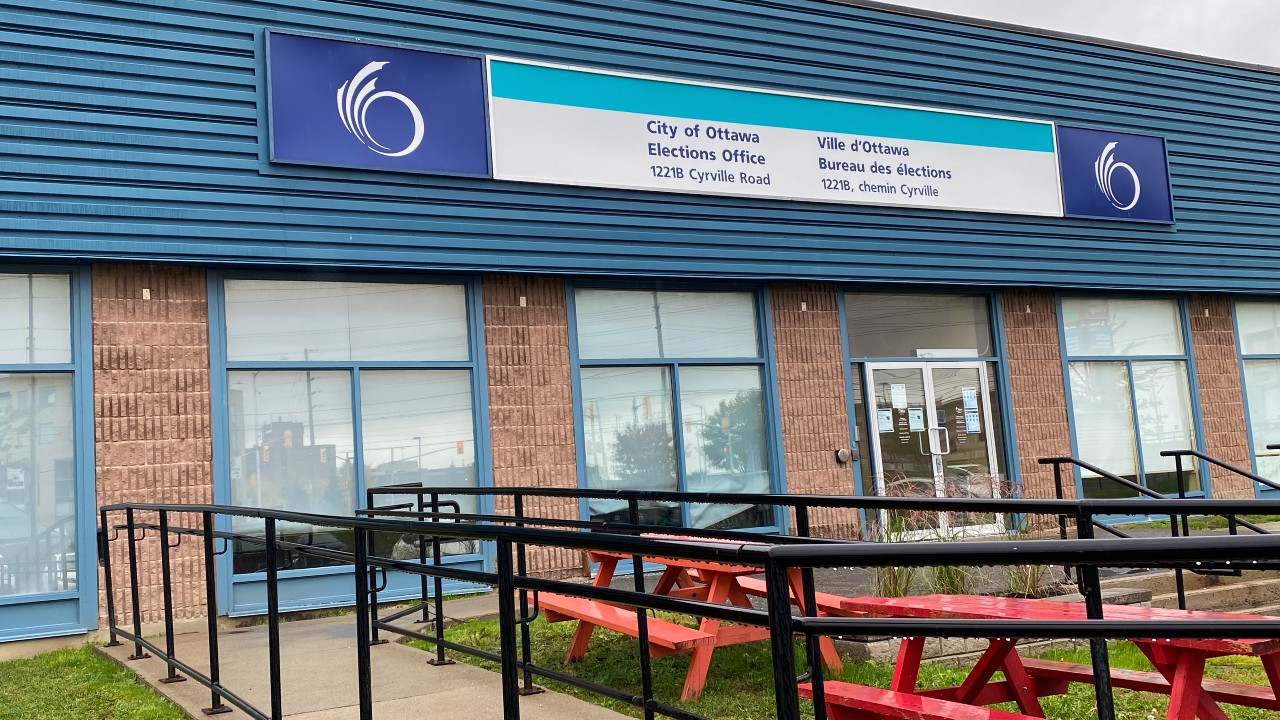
[357, 439]
[1137, 425]
[677, 435]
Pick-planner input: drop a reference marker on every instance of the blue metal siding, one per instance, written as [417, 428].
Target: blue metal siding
[134, 129]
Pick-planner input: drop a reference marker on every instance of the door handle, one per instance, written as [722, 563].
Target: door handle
[943, 434]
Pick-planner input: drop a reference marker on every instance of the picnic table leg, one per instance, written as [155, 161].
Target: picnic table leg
[997, 656]
[672, 577]
[582, 633]
[1184, 669]
[1271, 663]
[830, 657]
[907, 670]
[1023, 687]
[696, 677]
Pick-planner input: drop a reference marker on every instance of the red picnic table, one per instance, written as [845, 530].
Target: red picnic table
[711, 582]
[1179, 662]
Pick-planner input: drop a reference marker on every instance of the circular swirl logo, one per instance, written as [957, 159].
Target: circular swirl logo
[358, 94]
[1104, 169]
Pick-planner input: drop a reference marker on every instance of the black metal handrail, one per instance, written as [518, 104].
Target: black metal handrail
[1224, 465]
[510, 535]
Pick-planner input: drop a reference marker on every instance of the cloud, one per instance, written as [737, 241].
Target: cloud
[1230, 29]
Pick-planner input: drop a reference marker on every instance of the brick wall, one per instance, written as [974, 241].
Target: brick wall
[1036, 387]
[531, 400]
[1213, 340]
[151, 414]
[811, 389]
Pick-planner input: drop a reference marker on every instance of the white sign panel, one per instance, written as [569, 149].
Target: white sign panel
[577, 126]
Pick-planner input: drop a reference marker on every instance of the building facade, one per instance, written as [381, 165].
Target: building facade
[275, 253]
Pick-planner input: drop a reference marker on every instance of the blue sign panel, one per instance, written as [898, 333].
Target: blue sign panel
[1114, 175]
[376, 107]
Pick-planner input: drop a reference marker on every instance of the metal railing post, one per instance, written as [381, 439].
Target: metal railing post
[371, 586]
[273, 620]
[1059, 491]
[786, 696]
[1091, 587]
[642, 618]
[526, 642]
[166, 580]
[108, 585]
[813, 653]
[507, 632]
[424, 582]
[211, 614]
[437, 554]
[364, 622]
[138, 652]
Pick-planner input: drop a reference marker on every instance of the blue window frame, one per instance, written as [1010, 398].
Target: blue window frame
[674, 390]
[1131, 391]
[48, 576]
[327, 387]
[1257, 325]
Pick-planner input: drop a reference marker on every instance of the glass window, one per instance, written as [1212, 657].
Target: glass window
[662, 324]
[37, 484]
[883, 325]
[1126, 411]
[1119, 327]
[673, 418]
[312, 438]
[35, 319]
[1258, 325]
[370, 322]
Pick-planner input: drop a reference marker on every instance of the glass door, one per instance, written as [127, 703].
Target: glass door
[933, 437]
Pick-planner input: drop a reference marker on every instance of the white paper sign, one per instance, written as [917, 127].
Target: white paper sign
[971, 423]
[970, 395]
[884, 420]
[915, 419]
[898, 393]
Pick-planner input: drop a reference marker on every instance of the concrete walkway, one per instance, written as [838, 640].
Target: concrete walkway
[318, 666]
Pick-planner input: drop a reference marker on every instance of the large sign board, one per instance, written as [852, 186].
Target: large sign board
[579, 126]
[377, 107]
[1114, 175]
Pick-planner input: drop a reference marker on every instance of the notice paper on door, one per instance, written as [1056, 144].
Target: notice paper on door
[899, 394]
[970, 395]
[884, 420]
[915, 419]
[971, 423]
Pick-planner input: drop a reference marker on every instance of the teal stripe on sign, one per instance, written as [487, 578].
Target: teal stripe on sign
[575, 88]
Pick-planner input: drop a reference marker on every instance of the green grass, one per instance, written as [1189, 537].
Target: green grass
[77, 684]
[740, 683]
[1206, 522]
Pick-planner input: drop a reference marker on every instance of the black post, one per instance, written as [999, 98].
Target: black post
[438, 582]
[813, 652]
[424, 581]
[787, 698]
[138, 652]
[642, 617]
[211, 612]
[107, 584]
[1178, 580]
[364, 621]
[1092, 590]
[166, 580]
[273, 621]
[1058, 490]
[371, 586]
[526, 642]
[507, 633]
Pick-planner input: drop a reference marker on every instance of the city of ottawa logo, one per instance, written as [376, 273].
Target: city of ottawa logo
[1104, 170]
[358, 94]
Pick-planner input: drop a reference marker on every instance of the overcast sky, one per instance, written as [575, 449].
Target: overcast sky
[1242, 30]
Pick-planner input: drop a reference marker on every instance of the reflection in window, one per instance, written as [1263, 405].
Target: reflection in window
[1258, 324]
[907, 326]
[35, 319]
[312, 438]
[1126, 411]
[37, 484]
[675, 419]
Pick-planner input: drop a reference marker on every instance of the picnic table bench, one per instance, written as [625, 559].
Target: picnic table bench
[665, 638]
[849, 701]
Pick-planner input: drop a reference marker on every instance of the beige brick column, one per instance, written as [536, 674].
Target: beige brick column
[531, 400]
[811, 390]
[1036, 387]
[151, 415]
[1213, 340]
